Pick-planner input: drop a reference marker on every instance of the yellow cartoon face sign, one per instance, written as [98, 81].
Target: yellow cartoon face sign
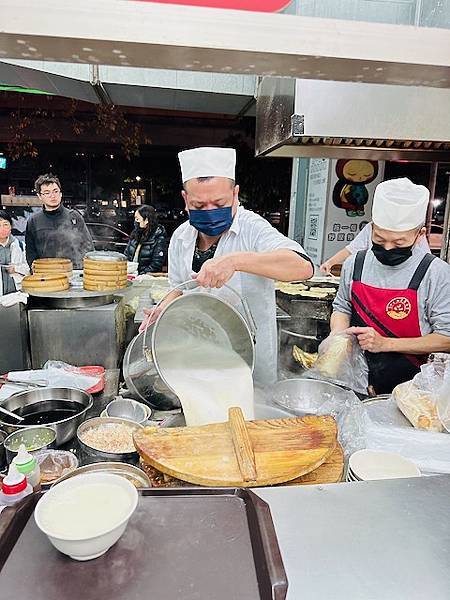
[358, 171]
[398, 308]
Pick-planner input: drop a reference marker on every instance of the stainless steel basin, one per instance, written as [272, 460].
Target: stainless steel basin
[304, 396]
[30, 401]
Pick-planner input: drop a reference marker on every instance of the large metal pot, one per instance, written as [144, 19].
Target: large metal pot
[32, 401]
[193, 313]
[305, 396]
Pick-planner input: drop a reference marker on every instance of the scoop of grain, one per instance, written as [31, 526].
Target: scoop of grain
[112, 437]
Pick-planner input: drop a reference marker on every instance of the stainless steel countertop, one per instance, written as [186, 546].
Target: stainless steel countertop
[377, 540]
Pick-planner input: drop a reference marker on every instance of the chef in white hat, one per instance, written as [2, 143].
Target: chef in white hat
[395, 297]
[223, 243]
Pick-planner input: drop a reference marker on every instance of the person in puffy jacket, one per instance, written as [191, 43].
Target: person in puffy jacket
[13, 266]
[148, 241]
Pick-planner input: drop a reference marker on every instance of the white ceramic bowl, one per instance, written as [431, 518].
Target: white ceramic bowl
[96, 544]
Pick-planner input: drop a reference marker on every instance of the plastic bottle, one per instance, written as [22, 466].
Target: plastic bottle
[14, 487]
[28, 465]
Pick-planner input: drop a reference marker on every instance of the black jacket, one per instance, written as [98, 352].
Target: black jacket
[153, 252]
[61, 233]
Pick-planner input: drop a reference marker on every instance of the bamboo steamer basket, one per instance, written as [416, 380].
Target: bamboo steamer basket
[104, 266]
[47, 266]
[104, 274]
[104, 271]
[102, 287]
[111, 283]
[110, 276]
[52, 282]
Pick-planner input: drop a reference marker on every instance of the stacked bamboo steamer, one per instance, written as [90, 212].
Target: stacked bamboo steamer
[49, 275]
[50, 266]
[53, 282]
[104, 271]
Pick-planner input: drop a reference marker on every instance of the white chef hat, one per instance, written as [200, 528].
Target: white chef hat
[400, 205]
[207, 162]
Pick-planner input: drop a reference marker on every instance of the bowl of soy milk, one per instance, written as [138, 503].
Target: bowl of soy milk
[86, 515]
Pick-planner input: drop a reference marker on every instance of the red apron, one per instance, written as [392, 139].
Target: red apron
[392, 313]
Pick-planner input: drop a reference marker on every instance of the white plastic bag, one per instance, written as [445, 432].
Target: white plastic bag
[341, 361]
[427, 394]
[56, 374]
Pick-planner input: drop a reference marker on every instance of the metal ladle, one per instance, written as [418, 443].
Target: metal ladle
[11, 414]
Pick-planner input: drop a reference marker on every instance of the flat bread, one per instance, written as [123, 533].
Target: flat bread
[418, 406]
[330, 362]
[290, 288]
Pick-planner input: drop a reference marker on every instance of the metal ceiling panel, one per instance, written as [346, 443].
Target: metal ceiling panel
[141, 34]
[343, 119]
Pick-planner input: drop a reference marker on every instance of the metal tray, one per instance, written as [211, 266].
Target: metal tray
[187, 544]
[74, 297]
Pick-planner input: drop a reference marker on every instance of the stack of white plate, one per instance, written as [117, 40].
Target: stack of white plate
[366, 465]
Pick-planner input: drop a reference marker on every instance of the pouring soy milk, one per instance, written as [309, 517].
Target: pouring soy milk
[203, 350]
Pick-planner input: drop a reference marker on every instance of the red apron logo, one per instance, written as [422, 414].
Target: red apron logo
[253, 5]
[398, 308]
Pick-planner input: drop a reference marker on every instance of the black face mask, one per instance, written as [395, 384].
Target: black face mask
[393, 257]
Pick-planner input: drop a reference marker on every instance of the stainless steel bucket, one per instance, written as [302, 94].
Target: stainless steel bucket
[201, 314]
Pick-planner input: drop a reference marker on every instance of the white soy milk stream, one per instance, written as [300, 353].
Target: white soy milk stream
[207, 375]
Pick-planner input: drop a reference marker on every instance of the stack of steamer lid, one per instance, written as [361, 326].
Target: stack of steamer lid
[104, 271]
[366, 465]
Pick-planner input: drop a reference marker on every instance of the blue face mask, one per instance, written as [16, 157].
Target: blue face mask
[211, 222]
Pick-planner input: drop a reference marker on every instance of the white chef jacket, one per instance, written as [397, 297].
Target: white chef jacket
[248, 233]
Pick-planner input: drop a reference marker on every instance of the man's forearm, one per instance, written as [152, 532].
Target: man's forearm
[433, 342]
[282, 265]
[339, 257]
[339, 321]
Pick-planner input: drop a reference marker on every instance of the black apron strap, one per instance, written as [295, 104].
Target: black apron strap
[359, 264]
[420, 272]
[372, 318]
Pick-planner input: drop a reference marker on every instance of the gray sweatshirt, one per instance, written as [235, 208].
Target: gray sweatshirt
[433, 293]
[61, 233]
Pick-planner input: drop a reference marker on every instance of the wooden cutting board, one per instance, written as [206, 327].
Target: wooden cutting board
[240, 453]
[331, 471]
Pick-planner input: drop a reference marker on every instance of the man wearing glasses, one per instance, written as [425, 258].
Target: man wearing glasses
[56, 231]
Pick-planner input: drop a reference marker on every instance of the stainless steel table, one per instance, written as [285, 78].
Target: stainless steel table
[78, 336]
[14, 351]
[378, 540]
